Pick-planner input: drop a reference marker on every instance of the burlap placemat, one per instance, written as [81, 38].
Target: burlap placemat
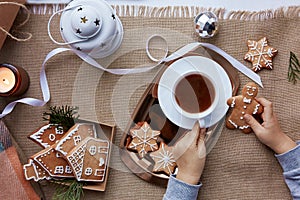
[239, 166]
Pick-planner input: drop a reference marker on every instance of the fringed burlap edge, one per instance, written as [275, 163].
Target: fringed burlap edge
[182, 12]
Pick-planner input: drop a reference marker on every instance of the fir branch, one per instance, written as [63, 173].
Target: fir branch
[64, 116]
[72, 191]
[294, 69]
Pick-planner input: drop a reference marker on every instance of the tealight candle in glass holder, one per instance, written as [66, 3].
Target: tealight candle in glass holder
[14, 80]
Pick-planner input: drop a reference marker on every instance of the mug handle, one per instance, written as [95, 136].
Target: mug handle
[202, 123]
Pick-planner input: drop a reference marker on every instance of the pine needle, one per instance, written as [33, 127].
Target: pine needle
[64, 115]
[294, 69]
[73, 191]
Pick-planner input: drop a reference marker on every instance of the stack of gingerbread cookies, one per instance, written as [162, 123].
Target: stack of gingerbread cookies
[144, 141]
[76, 153]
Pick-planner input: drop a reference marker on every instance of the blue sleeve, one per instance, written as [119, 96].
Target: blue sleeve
[290, 162]
[178, 190]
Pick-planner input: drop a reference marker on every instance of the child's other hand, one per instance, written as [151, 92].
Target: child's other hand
[269, 132]
[190, 153]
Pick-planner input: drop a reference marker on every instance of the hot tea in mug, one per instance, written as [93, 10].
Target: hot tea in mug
[194, 93]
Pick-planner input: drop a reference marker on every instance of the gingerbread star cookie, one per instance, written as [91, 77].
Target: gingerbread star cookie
[164, 159]
[144, 139]
[260, 54]
[241, 105]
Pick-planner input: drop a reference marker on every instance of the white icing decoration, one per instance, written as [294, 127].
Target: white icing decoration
[244, 127]
[68, 169]
[51, 137]
[241, 117]
[88, 171]
[240, 127]
[34, 177]
[103, 149]
[59, 169]
[233, 103]
[245, 107]
[99, 172]
[250, 94]
[234, 124]
[77, 139]
[245, 100]
[165, 160]
[243, 112]
[59, 130]
[256, 109]
[101, 162]
[93, 150]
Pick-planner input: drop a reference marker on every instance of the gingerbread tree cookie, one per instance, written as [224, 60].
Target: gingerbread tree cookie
[241, 105]
[260, 54]
[164, 159]
[144, 139]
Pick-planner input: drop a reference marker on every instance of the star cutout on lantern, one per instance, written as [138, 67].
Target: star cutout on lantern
[260, 54]
[78, 31]
[164, 160]
[83, 19]
[144, 139]
[102, 45]
[78, 48]
[113, 16]
[61, 28]
[97, 22]
[79, 9]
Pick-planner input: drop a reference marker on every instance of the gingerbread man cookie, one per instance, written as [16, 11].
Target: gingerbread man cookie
[241, 105]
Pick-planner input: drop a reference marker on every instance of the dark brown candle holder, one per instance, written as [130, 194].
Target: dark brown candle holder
[21, 81]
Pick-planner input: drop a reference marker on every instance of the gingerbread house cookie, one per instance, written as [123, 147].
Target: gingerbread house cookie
[89, 159]
[74, 136]
[144, 139]
[33, 171]
[164, 160]
[53, 163]
[241, 105]
[47, 135]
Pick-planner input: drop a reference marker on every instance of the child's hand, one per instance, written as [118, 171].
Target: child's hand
[269, 132]
[190, 153]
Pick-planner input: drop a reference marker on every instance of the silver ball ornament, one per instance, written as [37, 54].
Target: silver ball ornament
[206, 24]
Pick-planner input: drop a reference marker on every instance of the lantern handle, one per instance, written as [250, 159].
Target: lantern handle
[49, 31]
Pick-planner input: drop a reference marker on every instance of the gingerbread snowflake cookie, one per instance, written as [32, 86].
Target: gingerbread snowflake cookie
[241, 105]
[260, 54]
[144, 139]
[164, 159]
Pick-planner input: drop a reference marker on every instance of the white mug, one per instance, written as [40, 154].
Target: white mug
[198, 115]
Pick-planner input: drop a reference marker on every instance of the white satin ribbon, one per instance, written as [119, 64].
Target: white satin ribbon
[45, 88]
[235, 63]
[44, 83]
